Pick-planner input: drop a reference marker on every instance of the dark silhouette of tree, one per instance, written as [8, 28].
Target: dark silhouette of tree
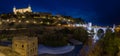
[80, 34]
[54, 39]
[100, 33]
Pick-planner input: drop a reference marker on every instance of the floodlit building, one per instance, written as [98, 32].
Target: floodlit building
[22, 10]
[117, 28]
[25, 46]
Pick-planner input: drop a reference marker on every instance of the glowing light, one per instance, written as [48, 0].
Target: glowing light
[68, 25]
[54, 18]
[48, 23]
[41, 22]
[14, 20]
[59, 18]
[59, 24]
[19, 21]
[34, 22]
[63, 18]
[69, 20]
[0, 22]
[8, 20]
[43, 17]
[23, 16]
[27, 21]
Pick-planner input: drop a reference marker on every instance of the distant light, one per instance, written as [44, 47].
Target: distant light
[54, 18]
[34, 22]
[63, 18]
[43, 17]
[59, 24]
[27, 21]
[59, 18]
[48, 23]
[8, 20]
[23, 16]
[19, 21]
[69, 20]
[41, 22]
[14, 20]
[68, 25]
[77, 25]
[0, 22]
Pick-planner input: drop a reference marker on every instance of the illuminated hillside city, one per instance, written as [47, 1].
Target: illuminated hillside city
[28, 33]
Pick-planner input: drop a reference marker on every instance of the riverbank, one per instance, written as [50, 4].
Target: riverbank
[54, 50]
[74, 52]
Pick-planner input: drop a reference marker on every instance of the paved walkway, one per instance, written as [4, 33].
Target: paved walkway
[58, 50]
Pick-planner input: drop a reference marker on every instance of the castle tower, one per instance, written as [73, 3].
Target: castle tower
[89, 26]
[29, 7]
[22, 10]
[113, 26]
[14, 10]
[25, 46]
[113, 29]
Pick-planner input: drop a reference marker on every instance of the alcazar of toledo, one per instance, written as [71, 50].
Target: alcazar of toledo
[22, 10]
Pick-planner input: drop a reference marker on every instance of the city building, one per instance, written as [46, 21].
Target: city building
[25, 46]
[22, 10]
[117, 28]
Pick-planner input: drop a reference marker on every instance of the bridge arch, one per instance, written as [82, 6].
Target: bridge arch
[100, 33]
[103, 30]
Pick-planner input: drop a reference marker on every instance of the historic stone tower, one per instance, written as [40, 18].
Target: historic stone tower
[25, 46]
[22, 10]
[89, 26]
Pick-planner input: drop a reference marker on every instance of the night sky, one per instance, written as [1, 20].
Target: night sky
[100, 12]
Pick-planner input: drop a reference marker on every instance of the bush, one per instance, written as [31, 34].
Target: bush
[80, 34]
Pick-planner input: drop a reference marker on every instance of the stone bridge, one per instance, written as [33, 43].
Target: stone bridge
[96, 29]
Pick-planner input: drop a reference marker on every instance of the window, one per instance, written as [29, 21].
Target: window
[22, 46]
[16, 45]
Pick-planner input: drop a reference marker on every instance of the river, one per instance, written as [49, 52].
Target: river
[75, 52]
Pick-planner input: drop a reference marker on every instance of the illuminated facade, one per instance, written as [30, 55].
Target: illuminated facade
[22, 10]
[117, 29]
[25, 46]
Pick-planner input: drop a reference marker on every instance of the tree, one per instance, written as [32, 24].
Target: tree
[80, 34]
[108, 44]
[54, 39]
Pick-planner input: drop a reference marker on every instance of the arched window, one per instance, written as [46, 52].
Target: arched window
[22, 46]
